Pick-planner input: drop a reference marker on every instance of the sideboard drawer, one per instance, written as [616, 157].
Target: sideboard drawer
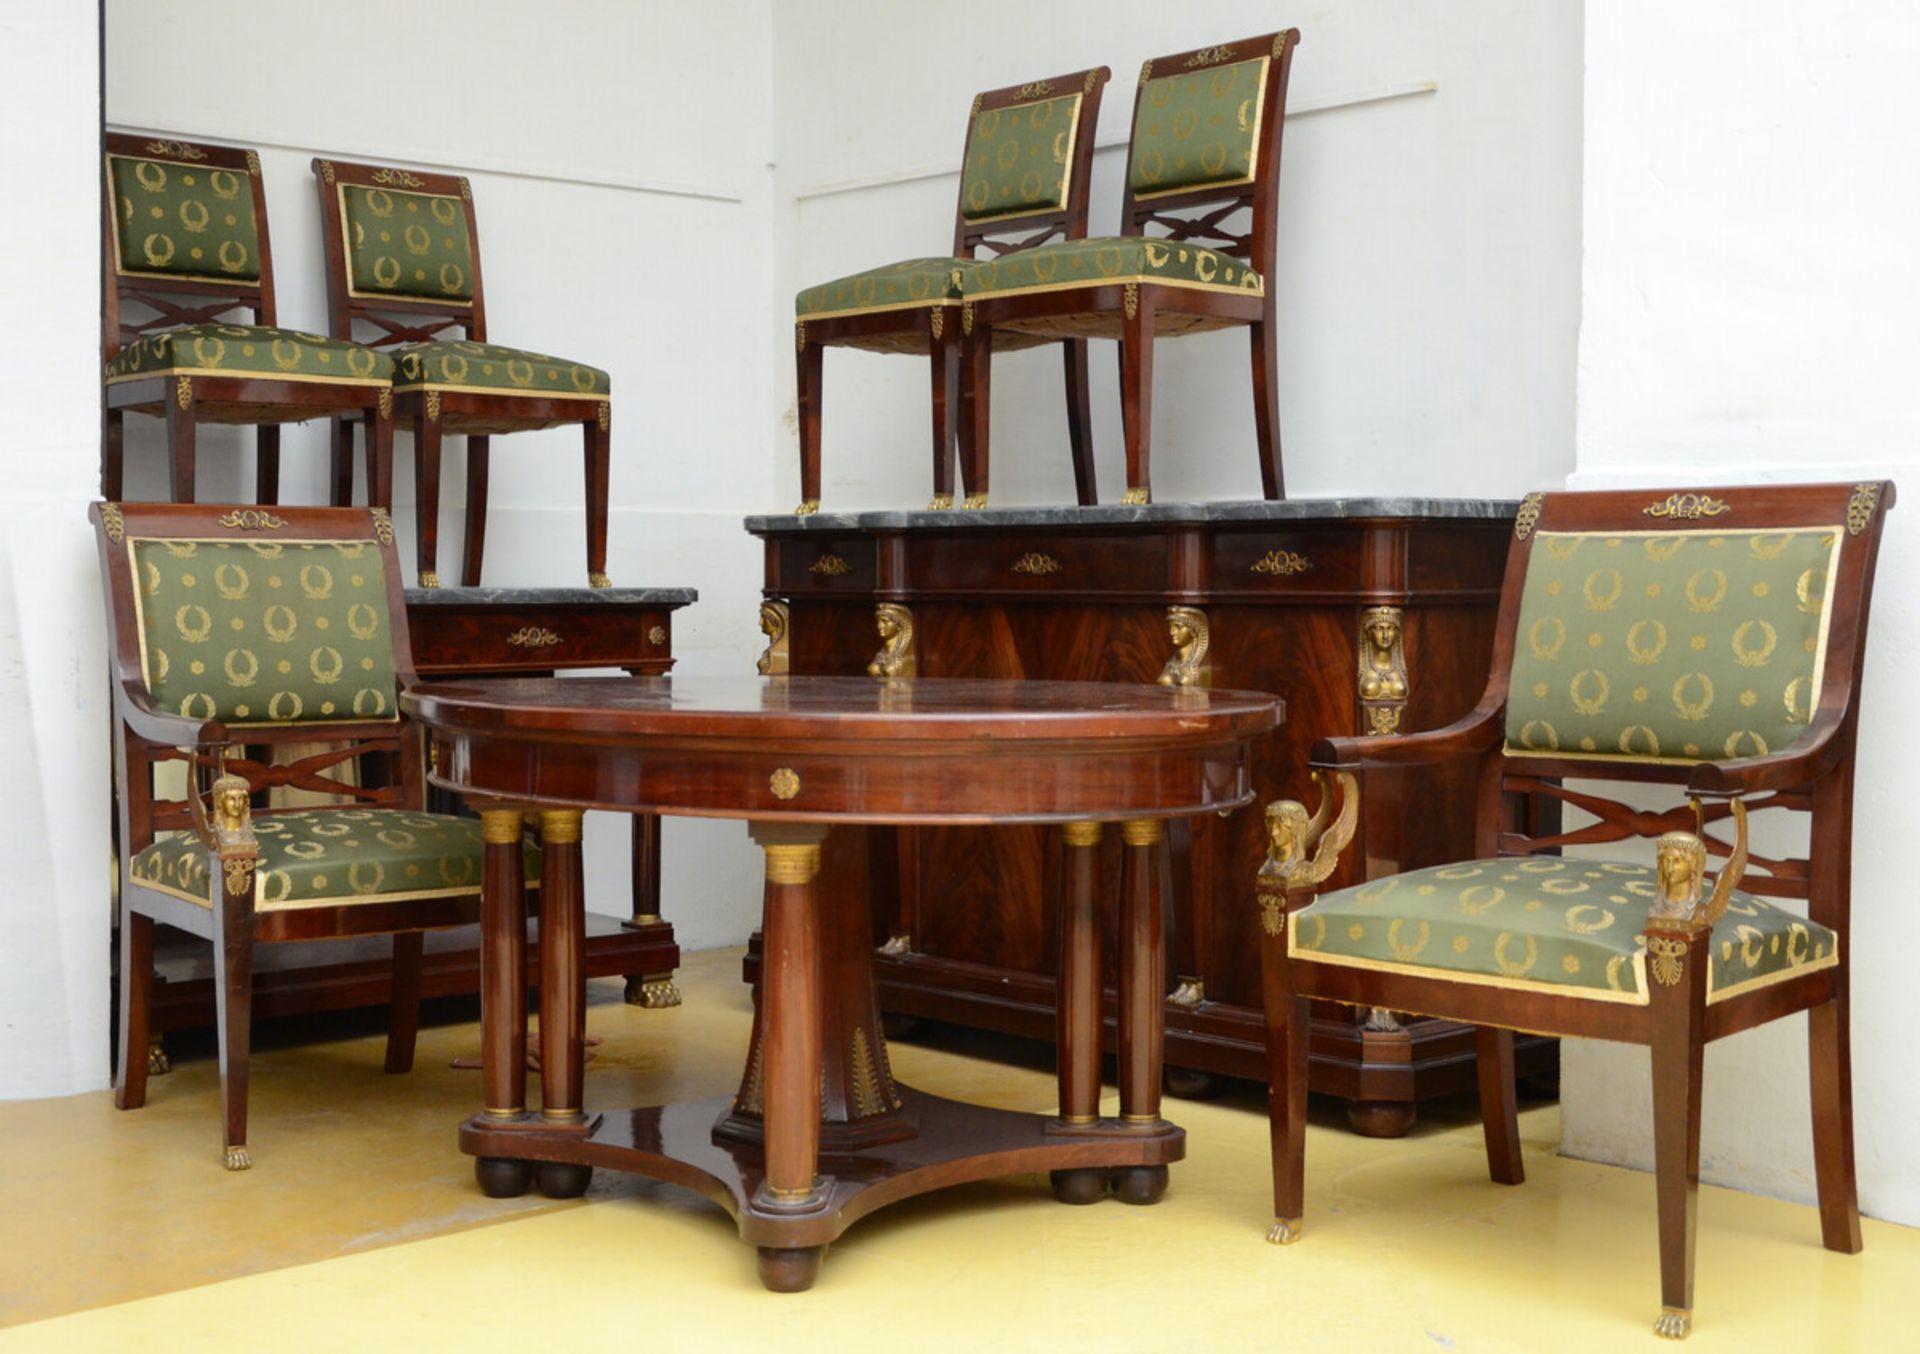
[1037, 562]
[1281, 562]
[826, 564]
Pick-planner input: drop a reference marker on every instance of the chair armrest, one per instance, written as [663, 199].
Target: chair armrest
[148, 721]
[1475, 733]
[1804, 763]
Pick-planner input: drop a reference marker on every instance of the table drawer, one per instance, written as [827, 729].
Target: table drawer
[538, 638]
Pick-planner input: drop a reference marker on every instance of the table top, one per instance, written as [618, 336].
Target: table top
[842, 708]
[523, 597]
[921, 750]
[1285, 511]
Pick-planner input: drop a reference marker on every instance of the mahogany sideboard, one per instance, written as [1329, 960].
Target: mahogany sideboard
[476, 632]
[1368, 616]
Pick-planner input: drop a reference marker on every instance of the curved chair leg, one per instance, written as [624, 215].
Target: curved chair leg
[944, 368]
[266, 460]
[1266, 408]
[1136, 398]
[1678, 1010]
[379, 434]
[426, 493]
[403, 1009]
[599, 460]
[1830, 1056]
[1287, 1024]
[1499, 1110]
[977, 397]
[807, 412]
[180, 443]
[340, 463]
[136, 1005]
[233, 1002]
[112, 454]
[1079, 421]
[478, 449]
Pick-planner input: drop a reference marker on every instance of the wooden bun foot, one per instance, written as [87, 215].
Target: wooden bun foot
[1139, 1184]
[790, 1270]
[563, 1179]
[503, 1177]
[1080, 1186]
[1191, 1085]
[1380, 1118]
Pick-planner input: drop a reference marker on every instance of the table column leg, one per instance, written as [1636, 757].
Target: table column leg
[1077, 1004]
[791, 1001]
[503, 994]
[652, 990]
[563, 994]
[1143, 983]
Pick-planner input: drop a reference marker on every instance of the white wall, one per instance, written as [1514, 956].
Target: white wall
[53, 797]
[1749, 291]
[1428, 241]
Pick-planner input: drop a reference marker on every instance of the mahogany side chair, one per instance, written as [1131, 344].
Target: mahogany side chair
[232, 631]
[1711, 642]
[1206, 141]
[186, 245]
[403, 268]
[1027, 160]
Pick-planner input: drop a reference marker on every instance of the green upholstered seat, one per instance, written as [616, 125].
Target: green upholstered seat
[897, 286]
[261, 632]
[315, 857]
[175, 218]
[488, 368]
[1543, 923]
[1104, 261]
[1197, 129]
[1669, 644]
[407, 245]
[249, 350]
[1019, 158]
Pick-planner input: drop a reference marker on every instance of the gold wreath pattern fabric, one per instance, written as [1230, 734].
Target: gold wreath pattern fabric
[409, 245]
[336, 856]
[1197, 130]
[1105, 260]
[462, 363]
[1540, 922]
[249, 350]
[895, 286]
[1684, 645]
[265, 632]
[1019, 158]
[174, 219]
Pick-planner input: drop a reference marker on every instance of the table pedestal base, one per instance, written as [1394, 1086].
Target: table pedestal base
[956, 1143]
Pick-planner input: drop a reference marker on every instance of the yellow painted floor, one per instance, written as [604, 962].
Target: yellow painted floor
[359, 1229]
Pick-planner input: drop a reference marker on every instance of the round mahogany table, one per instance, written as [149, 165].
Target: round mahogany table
[819, 1133]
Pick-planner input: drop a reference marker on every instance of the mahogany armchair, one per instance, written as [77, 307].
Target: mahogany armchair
[403, 267]
[1206, 141]
[233, 631]
[1024, 172]
[186, 246]
[1709, 641]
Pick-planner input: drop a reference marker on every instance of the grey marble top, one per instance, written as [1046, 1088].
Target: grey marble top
[551, 596]
[1118, 514]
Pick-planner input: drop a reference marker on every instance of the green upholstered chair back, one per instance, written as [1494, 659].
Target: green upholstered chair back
[1028, 157]
[402, 243]
[399, 241]
[182, 219]
[1206, 134]
[265, 632]
[1703, 631]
